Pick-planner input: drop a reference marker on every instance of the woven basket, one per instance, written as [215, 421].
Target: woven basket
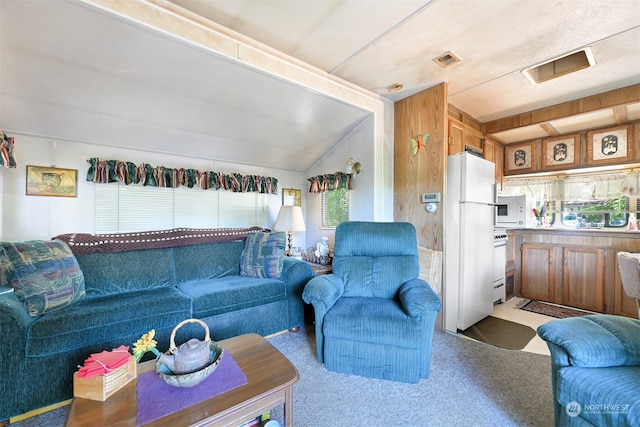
[192, 378]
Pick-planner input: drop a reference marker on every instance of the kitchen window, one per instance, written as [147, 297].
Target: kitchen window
[580, 201]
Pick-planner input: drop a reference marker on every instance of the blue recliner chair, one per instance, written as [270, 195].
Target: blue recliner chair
[595, 370]
[373, 316]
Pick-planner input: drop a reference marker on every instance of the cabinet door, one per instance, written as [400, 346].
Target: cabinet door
[624, 305]
[488, 150]
[473, 138]
[583, 278]
[456, 137]
[538, 272]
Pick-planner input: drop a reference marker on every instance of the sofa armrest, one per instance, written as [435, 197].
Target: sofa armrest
[595, 341]
[417, 298]
[295, 275]
[14, 326]
[14, 319]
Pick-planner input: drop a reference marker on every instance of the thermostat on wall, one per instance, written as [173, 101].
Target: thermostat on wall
[431, 198]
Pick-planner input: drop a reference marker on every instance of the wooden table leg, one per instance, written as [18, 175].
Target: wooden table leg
[288, 407]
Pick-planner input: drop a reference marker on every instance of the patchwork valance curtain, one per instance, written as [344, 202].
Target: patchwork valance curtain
[105, 171]
[7, 159]
[330, 182]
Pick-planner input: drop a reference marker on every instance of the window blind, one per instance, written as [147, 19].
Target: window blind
[123, 208]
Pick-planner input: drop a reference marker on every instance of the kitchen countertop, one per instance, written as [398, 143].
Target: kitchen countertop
[581, 231]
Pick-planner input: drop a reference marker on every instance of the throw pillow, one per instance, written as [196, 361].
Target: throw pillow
[263, 255]
[44, 274]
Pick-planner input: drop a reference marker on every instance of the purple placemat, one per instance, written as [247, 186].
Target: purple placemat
[157, 399]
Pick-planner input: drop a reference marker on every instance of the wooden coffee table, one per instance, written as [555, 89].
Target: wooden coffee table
[270, 380]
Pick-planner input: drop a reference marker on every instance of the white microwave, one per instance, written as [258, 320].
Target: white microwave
[511, 212]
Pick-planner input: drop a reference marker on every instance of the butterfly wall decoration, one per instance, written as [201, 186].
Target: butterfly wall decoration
[418, 144]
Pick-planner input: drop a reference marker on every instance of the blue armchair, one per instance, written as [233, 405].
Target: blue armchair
[373, 316]
[595, 370]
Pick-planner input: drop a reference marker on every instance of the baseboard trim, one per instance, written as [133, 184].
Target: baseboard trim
[39, 411]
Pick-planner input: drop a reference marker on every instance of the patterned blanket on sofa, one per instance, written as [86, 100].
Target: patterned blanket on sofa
[82, 243]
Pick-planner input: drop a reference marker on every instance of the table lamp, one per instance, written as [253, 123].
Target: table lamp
[289, 219]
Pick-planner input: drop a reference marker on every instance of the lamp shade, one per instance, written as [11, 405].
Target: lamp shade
[289, 219]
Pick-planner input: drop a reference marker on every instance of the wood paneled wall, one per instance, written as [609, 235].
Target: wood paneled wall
[613, 98]
[424, 112]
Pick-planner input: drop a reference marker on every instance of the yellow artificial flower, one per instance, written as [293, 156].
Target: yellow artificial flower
[144, 344]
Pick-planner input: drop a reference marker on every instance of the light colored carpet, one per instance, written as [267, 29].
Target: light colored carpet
[471, 384]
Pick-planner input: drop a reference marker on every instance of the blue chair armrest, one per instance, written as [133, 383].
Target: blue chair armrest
[593, 341]
[323, 291]
[417, 298]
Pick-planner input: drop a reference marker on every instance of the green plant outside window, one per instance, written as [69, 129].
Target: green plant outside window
[598, 213]
[335, 207]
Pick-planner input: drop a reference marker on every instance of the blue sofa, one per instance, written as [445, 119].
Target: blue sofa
[595, 370]
[128, 293]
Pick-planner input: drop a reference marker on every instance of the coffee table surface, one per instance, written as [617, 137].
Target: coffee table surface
[270, 380]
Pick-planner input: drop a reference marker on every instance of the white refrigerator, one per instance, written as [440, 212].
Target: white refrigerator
[468, 240]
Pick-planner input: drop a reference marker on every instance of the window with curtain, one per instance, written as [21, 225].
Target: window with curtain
[335, 207]
[589, 200]
[128, 208]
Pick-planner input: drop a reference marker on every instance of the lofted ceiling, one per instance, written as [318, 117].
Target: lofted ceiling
[71, 71]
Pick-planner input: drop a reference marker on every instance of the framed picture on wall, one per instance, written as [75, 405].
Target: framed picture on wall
[605, 145]
[519, 157]
[50, 181]
[291, 197]
[561, 151]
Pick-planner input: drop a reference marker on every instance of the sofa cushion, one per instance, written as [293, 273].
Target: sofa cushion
[44, 274]
[373, 320]
[263, 255]
[115, 273]
[99, 320]
[222, 295]
[207, 261]
[607, 396]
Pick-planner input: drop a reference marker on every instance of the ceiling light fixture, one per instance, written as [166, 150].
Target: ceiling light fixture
[395, 87]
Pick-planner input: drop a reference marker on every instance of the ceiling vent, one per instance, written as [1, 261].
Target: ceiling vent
[447, 60]
[560, 66]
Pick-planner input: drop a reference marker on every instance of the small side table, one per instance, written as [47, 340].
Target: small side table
[318, 270]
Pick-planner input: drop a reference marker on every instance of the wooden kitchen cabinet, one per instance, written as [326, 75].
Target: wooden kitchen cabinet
[456, 137]
[576, 268]
[580, 269]
[462, 136]
[538, 272]
[583, 278]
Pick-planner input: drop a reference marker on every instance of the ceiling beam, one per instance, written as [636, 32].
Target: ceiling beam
[549, 128]
[613, 98]
[620, 113]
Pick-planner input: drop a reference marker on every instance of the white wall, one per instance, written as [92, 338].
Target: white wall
[358, 145]
[34, 217]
